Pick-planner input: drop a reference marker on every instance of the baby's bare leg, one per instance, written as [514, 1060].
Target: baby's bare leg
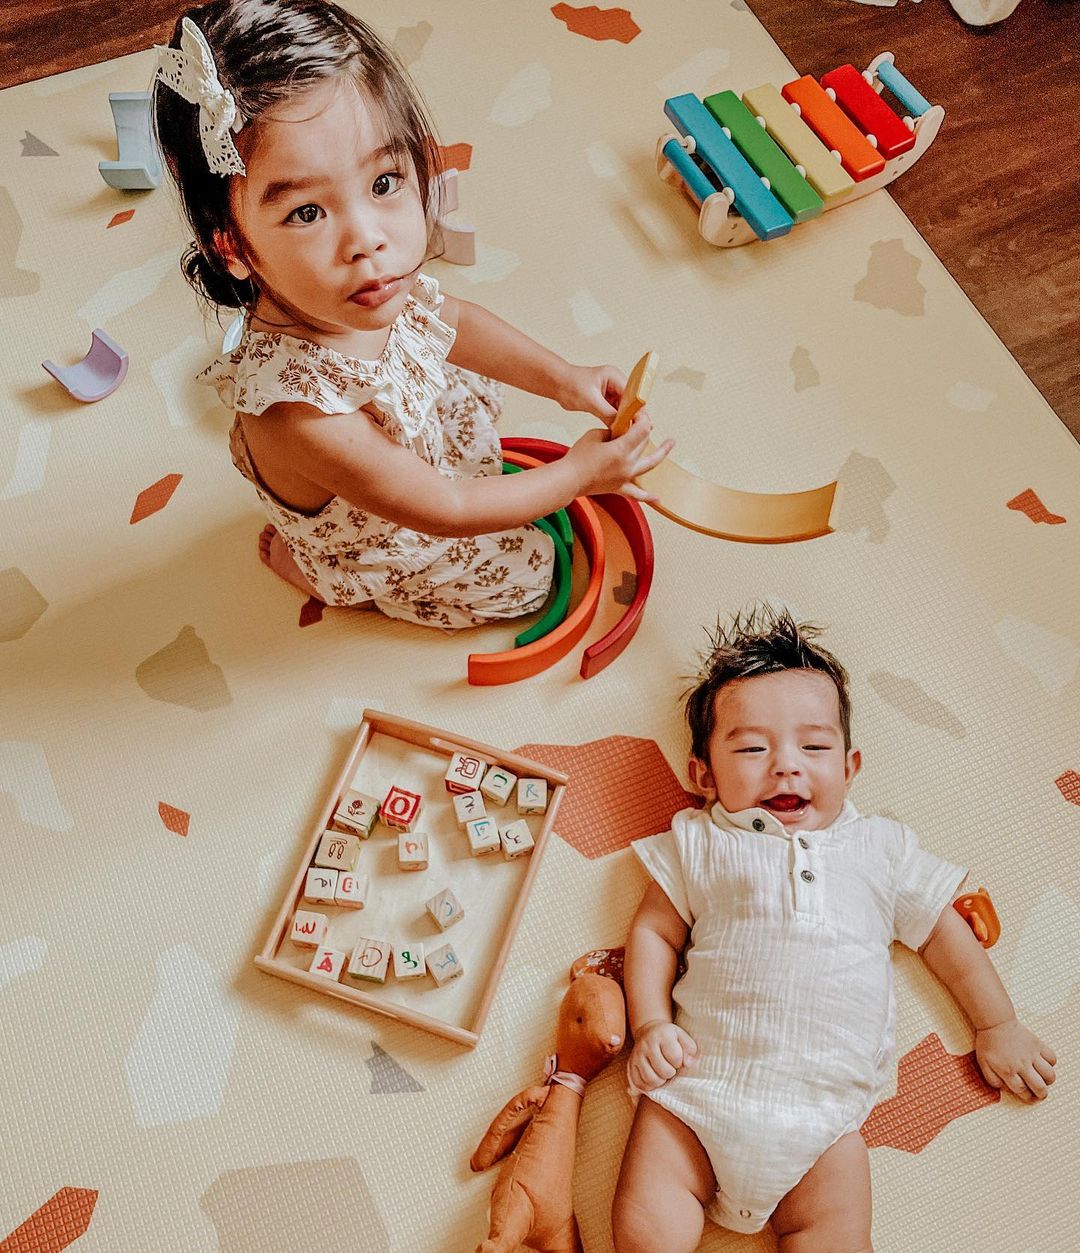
[665, 1183]
[828, 1210]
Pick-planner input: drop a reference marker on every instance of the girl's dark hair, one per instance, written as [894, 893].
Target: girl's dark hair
[266, 51]
[762, 641]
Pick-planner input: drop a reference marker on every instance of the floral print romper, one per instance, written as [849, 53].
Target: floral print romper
[445, 415]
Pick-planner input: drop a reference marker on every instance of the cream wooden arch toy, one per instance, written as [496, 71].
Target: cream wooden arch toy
[759, 166]
[723, 512]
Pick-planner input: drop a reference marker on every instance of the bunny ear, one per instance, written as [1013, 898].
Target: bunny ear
[190, 71]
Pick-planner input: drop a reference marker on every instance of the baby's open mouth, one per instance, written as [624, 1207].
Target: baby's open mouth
[786, 803]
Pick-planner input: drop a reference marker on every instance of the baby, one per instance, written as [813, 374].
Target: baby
[365, 397]
[780, 1039]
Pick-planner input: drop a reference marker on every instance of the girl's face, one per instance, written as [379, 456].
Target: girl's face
[778, 745]
[332, 224]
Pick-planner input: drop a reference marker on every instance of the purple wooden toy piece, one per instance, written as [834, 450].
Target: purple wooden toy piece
[98, 374]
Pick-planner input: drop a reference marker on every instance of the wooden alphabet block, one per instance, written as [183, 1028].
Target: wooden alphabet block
[370, 961]
[445, 909]
[352, 890]
[469, 805]
[320, 886]
[409, 961]
[464, 773]
[444, 965]
[308, 929]
[531, 796]
[483, 836]
[357, 813]
[498, 784]
[412, 851]
[327, 962]
[517, 839]
[400, 809]
[337, 852]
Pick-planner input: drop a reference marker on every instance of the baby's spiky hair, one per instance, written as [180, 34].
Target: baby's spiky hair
[762, 640]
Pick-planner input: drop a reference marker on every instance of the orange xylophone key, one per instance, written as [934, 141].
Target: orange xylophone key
[834, 128]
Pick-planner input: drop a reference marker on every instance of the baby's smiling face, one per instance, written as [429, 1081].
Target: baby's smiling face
[778, 745]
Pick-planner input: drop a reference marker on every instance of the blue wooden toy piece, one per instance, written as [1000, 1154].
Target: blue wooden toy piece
[891, 78]
[700, 187]
[138, 167]
[763, 212]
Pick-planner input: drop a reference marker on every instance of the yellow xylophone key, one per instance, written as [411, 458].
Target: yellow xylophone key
[822, 170]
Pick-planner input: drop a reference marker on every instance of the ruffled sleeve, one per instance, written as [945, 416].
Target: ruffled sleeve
[404, 384]
[425, 336]
[270, 367]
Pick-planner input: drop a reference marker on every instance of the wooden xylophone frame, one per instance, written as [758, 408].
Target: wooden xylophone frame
[720, 224]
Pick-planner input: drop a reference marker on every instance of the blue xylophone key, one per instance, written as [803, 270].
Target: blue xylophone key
[915, 103]
[700, 187]
[767, 216]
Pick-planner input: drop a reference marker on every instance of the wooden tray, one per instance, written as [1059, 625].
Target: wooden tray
[493, 891]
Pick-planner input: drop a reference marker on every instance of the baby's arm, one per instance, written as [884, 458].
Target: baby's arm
[353, 458]
[1009, 1055]
[488, 345]
[657, 937]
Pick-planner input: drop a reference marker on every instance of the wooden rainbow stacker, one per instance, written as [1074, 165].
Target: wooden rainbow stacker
[758, 166]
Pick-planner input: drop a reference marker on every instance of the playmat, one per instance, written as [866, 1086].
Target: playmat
[173, 717]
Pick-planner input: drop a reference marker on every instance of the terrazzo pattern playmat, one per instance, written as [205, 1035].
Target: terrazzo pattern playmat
[173, 716]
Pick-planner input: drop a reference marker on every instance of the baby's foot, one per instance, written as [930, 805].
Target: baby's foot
[273, 553]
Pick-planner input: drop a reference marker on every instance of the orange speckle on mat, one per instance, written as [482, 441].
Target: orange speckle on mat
[623, 788]
[311, 611]
[1028, 503]
[154, 498]
[933, 1088]
[599, 24]
[61, 1221]
[118, 219]
[175, 820]
[1069, 786]
[455, 157]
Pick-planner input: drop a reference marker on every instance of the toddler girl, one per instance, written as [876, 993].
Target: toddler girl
[781, 1036]
[365, 399]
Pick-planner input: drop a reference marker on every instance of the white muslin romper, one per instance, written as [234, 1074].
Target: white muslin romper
[788, 989]
[446, 415]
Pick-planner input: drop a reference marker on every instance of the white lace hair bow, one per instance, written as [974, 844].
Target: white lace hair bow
[190, 71]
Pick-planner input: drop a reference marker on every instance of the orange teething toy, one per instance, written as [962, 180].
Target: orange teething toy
[977, 910]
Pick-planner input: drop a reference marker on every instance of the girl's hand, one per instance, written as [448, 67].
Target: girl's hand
[660, 1051]
[604, 464]
[1010, 1056]
[595, 389]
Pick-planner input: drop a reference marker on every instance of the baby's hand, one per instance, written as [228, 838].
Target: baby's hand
[1011, 1056]
[595, 389]
[660, 1051]
[611, 465]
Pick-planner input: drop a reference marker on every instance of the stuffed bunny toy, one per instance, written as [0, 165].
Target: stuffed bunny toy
[536, 1132]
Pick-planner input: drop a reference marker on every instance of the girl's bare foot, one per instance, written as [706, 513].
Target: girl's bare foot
[273, 553]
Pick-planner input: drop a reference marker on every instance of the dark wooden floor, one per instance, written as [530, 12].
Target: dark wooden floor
[997, 198]
[998, 195]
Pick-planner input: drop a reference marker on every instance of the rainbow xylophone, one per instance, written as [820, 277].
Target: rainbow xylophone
[758, 166]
